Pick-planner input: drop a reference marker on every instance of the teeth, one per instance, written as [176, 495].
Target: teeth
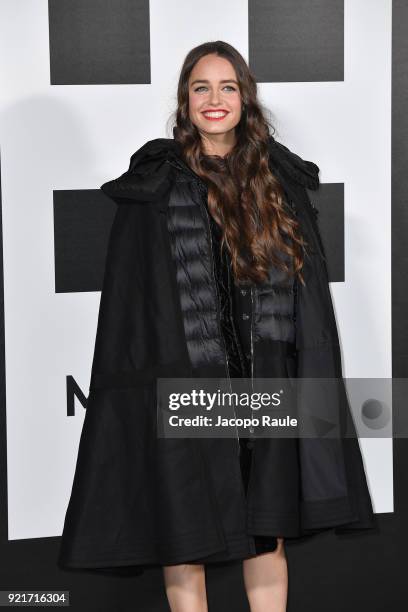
[215, 114]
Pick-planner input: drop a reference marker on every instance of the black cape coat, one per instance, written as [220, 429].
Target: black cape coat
[138, 500]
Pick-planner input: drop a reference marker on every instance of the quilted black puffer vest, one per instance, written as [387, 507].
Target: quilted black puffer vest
[206, 287]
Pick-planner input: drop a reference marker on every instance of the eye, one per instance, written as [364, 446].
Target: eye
[204, 87]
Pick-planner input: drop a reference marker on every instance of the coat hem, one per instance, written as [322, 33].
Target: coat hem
[313, 515]
[113, 561]
[238, 547]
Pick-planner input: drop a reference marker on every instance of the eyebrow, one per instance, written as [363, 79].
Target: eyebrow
[206, 81]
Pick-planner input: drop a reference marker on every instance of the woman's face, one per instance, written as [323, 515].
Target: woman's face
[213, 87]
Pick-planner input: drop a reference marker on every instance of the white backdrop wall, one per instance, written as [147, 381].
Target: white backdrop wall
[77, 136]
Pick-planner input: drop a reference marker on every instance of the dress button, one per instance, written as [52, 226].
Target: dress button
[243, 291]
[250, 445]
[245, 316]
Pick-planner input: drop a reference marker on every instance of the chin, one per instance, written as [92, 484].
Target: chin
[217, 129]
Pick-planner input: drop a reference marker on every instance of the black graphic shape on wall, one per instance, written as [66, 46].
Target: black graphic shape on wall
[82, 223]
[97, 43]
[74, 391]
[328, 201]
[296, 41]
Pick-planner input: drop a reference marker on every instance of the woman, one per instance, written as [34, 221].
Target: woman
[215, 267]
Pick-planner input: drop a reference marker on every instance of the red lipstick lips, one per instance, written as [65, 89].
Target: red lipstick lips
[215, 110]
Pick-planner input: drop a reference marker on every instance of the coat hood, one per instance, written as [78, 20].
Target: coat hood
[149, 174]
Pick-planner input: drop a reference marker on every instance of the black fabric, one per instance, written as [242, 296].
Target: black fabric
[237, 364]
[236, 314]
[242, 309]
[138, 500]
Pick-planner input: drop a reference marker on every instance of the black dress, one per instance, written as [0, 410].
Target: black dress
[236, 312]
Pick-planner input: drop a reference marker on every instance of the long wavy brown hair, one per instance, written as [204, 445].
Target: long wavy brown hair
[244, 197]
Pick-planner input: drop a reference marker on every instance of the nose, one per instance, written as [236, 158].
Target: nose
[214, 97]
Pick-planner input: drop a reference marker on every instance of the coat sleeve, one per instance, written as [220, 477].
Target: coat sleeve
[130, 299]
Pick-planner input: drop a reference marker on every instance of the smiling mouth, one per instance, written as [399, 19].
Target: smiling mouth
[215, 115]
